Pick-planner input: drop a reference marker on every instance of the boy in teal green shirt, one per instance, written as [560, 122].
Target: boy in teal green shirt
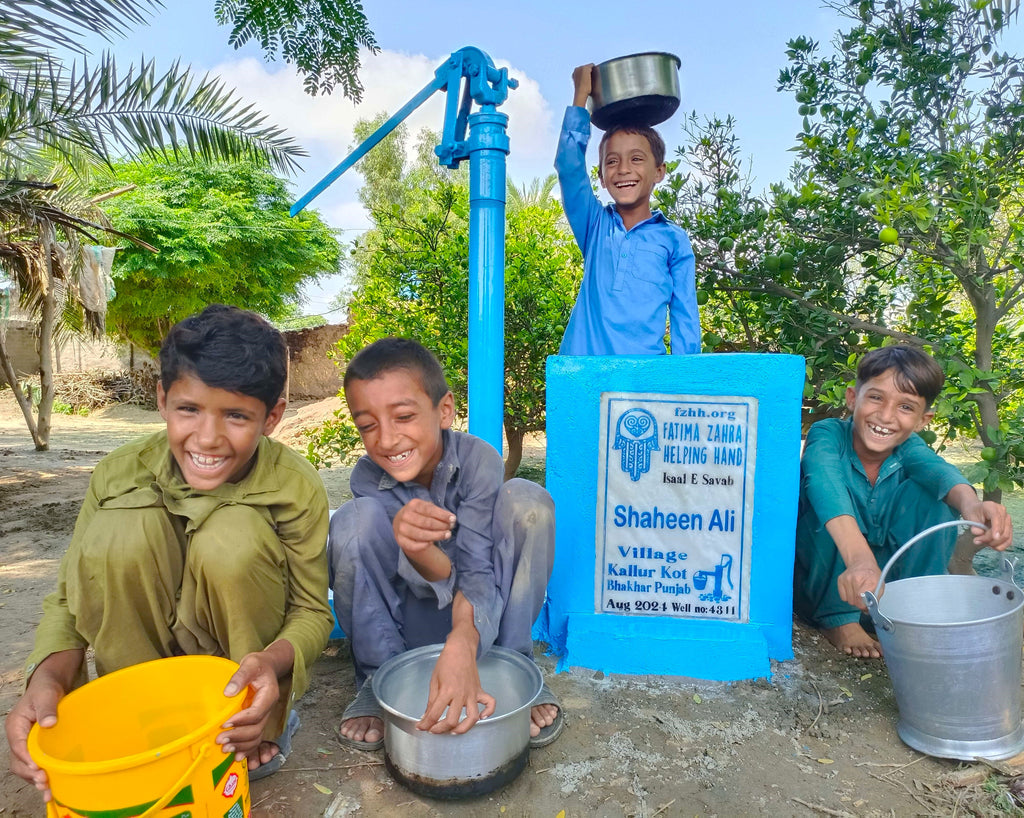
[868, 484]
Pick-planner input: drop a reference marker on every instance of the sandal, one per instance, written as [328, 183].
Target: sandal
[364, 704]
[554, 730]
[284, 749]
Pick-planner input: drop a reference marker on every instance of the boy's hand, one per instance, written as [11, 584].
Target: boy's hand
[583, 84]
[260, 672]
[38, 704]
[419, 524]
[1000, 528]
[455, 685]
[856, 579]
[49, 684]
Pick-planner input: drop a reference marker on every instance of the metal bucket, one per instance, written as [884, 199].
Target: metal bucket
[953, 648]
[639, 89]
[489, 755]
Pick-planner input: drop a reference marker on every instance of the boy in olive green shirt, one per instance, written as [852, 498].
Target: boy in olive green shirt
[204, 538]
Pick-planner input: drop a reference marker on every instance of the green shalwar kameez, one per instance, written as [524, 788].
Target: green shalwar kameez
[156, 568]
[906, 498]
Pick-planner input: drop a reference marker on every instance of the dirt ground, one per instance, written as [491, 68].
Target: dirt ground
[816, 739]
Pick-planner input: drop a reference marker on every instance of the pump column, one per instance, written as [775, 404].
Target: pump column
[488, 147]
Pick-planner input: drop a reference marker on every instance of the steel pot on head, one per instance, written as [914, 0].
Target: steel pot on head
[488, 756]
[639, 89]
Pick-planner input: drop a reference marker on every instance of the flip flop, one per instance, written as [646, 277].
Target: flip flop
[364, 704]
[284, 749]
[554, 730]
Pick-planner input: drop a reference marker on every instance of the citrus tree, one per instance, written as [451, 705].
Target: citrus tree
[902, 219]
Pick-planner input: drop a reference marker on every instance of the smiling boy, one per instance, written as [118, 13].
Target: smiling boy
[637, 266]
[868, 484]
[204, 538]
[434, 548]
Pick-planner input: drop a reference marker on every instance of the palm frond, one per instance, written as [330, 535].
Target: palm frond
[65, 20]
[100, 112]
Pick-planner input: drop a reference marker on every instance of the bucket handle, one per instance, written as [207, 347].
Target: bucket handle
[871, 599]
[175, 788]
[160, 803]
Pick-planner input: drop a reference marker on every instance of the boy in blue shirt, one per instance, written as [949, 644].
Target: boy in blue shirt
[434, 547]
[636, 264]
[868, 484]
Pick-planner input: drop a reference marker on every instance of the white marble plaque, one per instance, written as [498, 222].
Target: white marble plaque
[675, 498]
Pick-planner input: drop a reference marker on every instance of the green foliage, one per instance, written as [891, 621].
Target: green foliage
[336, 442]
[223, 235]
[902, 214]
[413, 275]
[321, 38]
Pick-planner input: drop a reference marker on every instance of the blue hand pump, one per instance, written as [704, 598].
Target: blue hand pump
[486, 149]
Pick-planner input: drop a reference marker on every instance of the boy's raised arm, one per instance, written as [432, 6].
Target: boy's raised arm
[583, 84]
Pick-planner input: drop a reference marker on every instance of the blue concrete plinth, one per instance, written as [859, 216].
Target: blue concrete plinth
[768, 388]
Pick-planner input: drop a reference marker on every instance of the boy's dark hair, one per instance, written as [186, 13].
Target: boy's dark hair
[227, 348]
[652, 136]
[389, 354]
[914, 370]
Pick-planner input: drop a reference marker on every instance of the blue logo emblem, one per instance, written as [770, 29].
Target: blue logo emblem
[636, 434]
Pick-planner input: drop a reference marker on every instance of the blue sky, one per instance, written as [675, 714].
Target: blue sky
[731, 56]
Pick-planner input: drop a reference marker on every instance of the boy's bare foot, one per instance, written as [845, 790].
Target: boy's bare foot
[365, 728]
[541, 716]
[962, 561]
[853, 640]
[266, 751]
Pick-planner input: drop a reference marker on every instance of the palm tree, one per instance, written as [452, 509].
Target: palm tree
[59, 123]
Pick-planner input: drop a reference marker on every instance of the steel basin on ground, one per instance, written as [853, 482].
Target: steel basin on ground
[488, 756]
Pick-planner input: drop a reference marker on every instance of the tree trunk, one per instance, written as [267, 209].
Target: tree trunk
[514, 438]
[988, 407]
[24, 402]
[47, 319]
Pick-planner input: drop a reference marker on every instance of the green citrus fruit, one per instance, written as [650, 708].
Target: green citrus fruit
[771, 264]
[702, 297]
[988, 453]
[928, 436]
[865, 199]
[888, 235]
[726, 243]
[863, 78]
[833, 252]
[786, 261]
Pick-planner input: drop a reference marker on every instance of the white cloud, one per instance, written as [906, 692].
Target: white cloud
[323, 125]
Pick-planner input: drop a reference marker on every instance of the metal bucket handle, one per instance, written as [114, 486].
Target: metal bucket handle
[871, 599]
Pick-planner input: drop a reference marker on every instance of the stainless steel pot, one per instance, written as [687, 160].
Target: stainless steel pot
[639, 89]
[486, 757]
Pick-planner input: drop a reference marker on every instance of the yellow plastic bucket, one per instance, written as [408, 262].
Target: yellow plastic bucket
[140, 742]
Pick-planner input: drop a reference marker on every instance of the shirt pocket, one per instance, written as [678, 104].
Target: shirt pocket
[650, 264]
